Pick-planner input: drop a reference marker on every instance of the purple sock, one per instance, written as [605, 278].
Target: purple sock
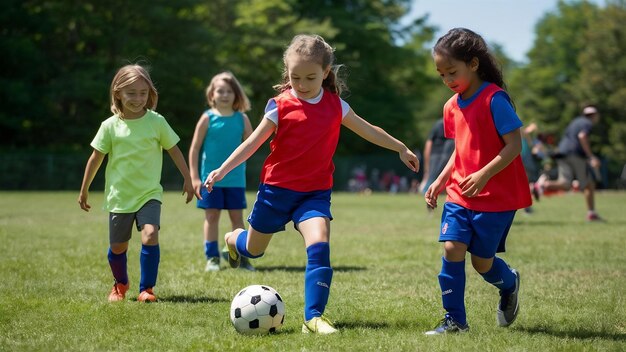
[118, 266]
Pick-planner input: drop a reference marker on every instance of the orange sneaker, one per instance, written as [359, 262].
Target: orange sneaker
[118, 293]
[146, 296]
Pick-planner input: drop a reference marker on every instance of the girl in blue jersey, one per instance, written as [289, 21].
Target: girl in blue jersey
[484, 179]
[134, 139]
[218, 132]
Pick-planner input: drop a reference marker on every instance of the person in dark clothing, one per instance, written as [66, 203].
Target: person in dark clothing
[576, 161]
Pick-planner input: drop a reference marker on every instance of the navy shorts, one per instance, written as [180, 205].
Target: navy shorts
[276, 206]
[483, 232]
[121, 224]
[223, 198]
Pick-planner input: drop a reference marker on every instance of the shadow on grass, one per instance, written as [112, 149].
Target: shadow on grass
[362, 325]
[341, 268]
[575, 334]
[192, 299]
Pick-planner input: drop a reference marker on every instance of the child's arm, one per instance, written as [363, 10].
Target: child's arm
[242, 153]
[474, 183]
[194, 152]
[431, 194]
[93, 164]
[179, 160]
[379, 137]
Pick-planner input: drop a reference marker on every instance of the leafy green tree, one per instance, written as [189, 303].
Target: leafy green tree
[63, 55]
[543, 88]
[578, 59]
[384, 63]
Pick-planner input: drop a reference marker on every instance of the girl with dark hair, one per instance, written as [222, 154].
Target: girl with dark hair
[484, 179]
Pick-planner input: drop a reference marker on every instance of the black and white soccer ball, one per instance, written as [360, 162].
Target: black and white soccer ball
[257, 309]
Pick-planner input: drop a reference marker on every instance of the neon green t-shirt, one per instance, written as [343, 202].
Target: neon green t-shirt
[135, 159]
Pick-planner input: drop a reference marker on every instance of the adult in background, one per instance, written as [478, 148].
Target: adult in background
[576, 160]
[437, 152]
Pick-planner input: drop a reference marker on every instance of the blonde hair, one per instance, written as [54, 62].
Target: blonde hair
[241, 103]
[125, 76]
[312, 47]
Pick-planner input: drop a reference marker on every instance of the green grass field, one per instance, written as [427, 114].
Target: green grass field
[385, 294]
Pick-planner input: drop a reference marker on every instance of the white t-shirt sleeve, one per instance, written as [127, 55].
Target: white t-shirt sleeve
[345, 108]
[271, 110]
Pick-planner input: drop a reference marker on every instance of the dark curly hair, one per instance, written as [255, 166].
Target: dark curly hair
[463, 44]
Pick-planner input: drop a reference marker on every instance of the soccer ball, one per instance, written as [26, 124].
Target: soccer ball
[257, 309]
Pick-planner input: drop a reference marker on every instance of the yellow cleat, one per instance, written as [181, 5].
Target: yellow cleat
[234, 259]
[318, 325]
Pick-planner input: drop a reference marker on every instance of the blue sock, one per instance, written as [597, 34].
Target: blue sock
[241, 244]
[210, 249]
[118, 265]
[149, 262]
[452, 283]
[317, 279]
[500, 275]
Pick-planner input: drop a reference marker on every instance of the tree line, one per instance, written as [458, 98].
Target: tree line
[60, 57]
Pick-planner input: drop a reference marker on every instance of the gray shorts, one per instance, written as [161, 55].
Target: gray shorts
[574, 167]
[121, 224]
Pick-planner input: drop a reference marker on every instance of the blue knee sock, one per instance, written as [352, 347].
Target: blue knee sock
[210, 249]
[317, 279]
[500, 275]
[241, 244]
[118, 265]
[452, 283]
[149, 262]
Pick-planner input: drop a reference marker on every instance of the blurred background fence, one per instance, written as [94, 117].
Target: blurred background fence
[64, 171]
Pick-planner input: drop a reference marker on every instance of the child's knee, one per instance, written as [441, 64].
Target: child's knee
[481, 265]
[454, 251]
[212, 215]
[150, 235]
[119, 248]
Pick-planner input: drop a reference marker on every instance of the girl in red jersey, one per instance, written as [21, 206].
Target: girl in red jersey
[484, 178]
[297, 176]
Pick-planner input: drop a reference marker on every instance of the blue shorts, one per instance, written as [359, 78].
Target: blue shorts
[483, 232]
[222, 198]
[275, 207]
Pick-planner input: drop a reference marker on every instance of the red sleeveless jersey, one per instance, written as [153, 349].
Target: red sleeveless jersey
[301, 152]
[477, 142]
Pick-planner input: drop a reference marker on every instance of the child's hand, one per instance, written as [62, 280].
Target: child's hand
[214, 176]
[197, 186]
[190, 191]
[82, 201]
[410, 160]
[431, 194]
[473, 184]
